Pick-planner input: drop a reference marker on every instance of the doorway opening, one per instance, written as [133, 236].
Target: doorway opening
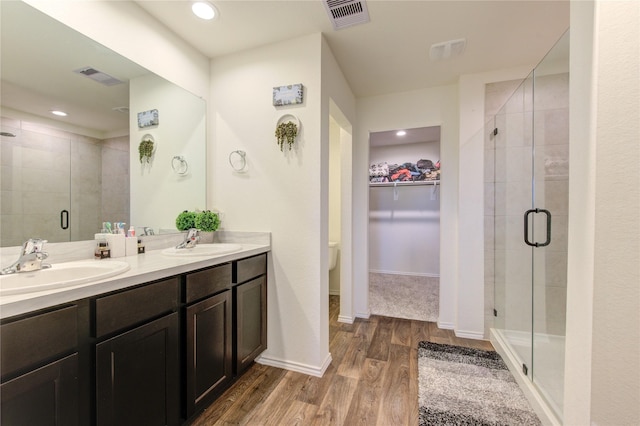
[340, 212]
[404, 223]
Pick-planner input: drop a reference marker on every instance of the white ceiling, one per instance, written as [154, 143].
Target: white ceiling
[387, 55]
[391, 53]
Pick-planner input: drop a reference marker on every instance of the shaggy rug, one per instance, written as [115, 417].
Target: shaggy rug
[464, 386]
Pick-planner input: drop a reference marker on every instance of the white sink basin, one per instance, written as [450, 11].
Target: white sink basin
[60, 275]
[203, 250]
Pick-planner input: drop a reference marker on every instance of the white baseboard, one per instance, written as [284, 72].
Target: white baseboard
[446, 325]
[334, 292]
[345, 319]
[415, 274]
[296, 366]
[364, 315]
[469, 334]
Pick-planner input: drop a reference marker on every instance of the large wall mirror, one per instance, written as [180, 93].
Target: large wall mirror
[61, 177]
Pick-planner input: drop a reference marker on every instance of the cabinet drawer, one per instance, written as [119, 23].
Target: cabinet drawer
[251, 267]
[131, 307]
[31, 341]
[208, 282]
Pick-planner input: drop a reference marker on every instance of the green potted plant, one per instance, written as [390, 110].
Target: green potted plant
[286, 132]
[145, 149]
[207, 221]
[186, 220]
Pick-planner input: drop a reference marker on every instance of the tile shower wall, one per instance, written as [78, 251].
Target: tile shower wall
[551, 130]
[115, 180]
[496, 95]
[45, 171]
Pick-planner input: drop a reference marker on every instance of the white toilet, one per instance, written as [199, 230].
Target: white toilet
[333, 254]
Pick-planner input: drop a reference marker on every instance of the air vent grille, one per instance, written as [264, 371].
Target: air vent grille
[447, 49]
[98, 76]
[346, 13]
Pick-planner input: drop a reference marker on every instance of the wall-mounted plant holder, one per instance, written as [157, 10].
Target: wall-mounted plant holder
[179, 165]
[238, 161]
[147, 149]
[287, 129]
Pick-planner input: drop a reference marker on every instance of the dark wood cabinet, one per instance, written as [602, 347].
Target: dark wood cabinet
[39, 364]
[250, 307]
[151, 354]
[250, 310]
[208, 349]
[45, 396]
[137, 370]
[137, 376]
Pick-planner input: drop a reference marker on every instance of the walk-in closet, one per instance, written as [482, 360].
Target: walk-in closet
[404, 223]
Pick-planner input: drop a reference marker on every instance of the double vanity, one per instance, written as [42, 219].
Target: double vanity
[153, 344]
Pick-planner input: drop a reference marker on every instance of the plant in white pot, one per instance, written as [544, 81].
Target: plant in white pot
[207, 222]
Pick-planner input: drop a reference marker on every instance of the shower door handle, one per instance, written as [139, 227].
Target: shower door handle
[526, 227]
[64, 219]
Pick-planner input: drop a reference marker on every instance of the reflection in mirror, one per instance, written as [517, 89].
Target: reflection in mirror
[61, 177]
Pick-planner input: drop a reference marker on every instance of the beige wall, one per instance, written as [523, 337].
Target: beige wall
[334, 200]
[284, 192]
[158, 193]
[616, 289]
[602, 385]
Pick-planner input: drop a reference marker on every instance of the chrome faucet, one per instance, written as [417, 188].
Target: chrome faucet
[30, 259]
[190, 240]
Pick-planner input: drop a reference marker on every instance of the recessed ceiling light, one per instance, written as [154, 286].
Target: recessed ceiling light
[204, 10]
[58, 113]
[401, 133]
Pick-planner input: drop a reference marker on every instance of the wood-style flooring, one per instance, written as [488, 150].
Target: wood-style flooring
[372, 380]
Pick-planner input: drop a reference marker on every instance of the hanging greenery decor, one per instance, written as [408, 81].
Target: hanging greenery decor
[286, 132]
[145, 149]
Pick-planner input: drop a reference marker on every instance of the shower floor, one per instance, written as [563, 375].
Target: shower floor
[547, 366]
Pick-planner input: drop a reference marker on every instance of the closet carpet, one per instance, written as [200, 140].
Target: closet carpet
[404, 296]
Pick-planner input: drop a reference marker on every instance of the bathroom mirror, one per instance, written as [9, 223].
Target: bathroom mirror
[62, 177]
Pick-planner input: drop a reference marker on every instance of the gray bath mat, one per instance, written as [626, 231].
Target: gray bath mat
[464, 386]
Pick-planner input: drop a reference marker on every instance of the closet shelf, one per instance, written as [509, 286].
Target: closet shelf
[414, 183]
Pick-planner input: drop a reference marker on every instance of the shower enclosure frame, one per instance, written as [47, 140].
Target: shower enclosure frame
[529, 140]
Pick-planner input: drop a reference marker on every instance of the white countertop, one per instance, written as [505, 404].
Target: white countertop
[150, 266]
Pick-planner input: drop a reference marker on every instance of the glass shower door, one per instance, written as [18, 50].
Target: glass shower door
[513, 264]
[531, 198]
[551, 196]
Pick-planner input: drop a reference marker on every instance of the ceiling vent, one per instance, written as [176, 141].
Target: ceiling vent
[346, 13]
[447, 49]
[98, 76]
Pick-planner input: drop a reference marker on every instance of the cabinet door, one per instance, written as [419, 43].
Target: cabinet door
[208, 352]
[251, 321]
[46, 396]
[137, 376]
